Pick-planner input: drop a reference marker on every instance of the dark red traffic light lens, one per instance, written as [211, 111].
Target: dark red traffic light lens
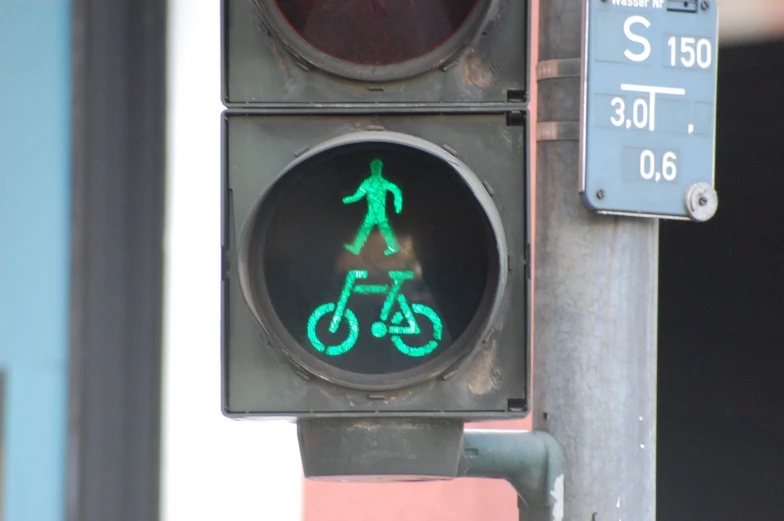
[376, 32]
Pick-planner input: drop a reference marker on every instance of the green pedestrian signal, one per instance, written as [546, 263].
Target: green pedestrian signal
[375, 189]
[403, 321]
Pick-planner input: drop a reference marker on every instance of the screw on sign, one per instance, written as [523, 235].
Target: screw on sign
[701, 202]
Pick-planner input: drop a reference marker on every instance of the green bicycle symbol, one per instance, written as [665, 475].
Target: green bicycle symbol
[403, 321]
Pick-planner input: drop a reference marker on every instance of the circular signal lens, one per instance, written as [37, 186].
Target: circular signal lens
[374, 264]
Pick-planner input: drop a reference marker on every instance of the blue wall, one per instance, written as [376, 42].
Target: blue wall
[35, 95]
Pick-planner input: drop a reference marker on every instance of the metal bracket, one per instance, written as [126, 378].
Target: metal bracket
[558, 68]
[558, 131]
[402, 449]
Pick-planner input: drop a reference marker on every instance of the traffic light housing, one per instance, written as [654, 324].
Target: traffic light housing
[375, 218]
[374, 51]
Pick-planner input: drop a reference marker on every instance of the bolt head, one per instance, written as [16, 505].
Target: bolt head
[701, 201]
[600, 194]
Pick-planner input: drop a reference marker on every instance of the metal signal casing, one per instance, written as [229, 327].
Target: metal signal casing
[486, 380]
[465, 102]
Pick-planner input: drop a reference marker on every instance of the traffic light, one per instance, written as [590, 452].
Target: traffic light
[375, 217]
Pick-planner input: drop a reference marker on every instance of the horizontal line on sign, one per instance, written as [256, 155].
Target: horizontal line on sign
[657, 90]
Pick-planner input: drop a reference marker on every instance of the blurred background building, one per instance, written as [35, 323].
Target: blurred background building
[111, 393]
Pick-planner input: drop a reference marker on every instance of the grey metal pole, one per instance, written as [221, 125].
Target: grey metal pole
[595, 307]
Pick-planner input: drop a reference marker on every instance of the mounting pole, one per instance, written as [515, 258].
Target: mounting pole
[595, 307]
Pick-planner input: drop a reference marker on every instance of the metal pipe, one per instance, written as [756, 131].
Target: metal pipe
[595, 303]
[532, 462]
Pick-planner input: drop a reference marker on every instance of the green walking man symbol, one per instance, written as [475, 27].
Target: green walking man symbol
[375, 188]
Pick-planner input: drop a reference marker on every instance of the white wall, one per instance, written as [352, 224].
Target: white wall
[213, 468]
